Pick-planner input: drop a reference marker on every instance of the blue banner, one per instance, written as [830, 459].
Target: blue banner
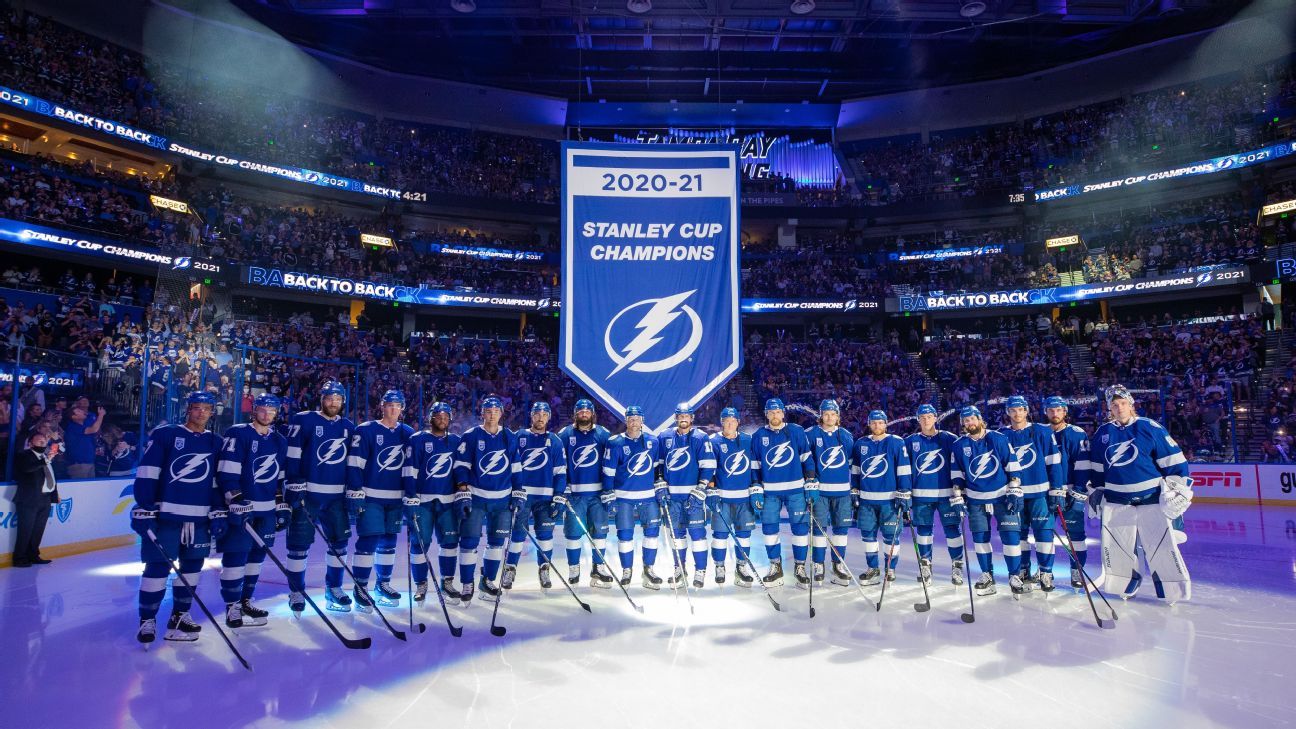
[39, 236]
[44, 378]
[650, 312]
[358, 288]
[1195, 279]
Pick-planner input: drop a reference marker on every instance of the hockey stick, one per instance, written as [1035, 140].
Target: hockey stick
[886, 568]
[398, 634]
[741, 553]
[554, 569]
[599, 555]
[810, 584]
[970, 616]
[194, 594]
[499, 630]
[924, 606]
[679, 566]
[842, 560]
[353, 643]
[455, 630]
[1102, 622]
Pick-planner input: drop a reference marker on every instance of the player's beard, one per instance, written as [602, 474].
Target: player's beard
[974, 430]
[330, 411]
[584, 421]
[1057, 421]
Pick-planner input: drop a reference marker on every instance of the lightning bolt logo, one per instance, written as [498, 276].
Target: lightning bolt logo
[832, 458]
[661, 313]
[1025, 455]
[439, 466]
[391, 458]
[536, 459]
[737, 464]
[640, 464]
[331, 452]
[267, 468]
[931, 462]
[679, 459]
[877, 466]
[193, 468]
[493, 463]
[585, 456]
[984, 465]
[1122, 454]
[780, 456]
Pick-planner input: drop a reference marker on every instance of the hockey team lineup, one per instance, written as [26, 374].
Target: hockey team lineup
[356, 488]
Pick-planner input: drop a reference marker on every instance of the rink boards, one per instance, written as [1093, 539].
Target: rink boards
[91, 514]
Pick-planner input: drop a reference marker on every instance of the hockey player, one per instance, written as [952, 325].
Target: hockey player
[432, 496]
[250, 473]
[882, 493]
[630, 465]
[539, 492]
[832, 446]
[1141, 483]
[732, 501]
[317, 471]
[785, 479]
[176, 498]
[375, 495]
[1073, 445]
[485, 463]
[584, 441]
[688, 465]
[1042, 488]
[985, 471]
[929, 452]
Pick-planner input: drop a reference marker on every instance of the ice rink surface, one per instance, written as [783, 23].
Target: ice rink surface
[1224, 659]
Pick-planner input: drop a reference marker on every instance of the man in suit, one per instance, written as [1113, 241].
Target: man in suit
[37, 489]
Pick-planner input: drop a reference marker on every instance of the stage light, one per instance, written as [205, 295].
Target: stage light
[972, 8]
[801, 7]
[639, 7]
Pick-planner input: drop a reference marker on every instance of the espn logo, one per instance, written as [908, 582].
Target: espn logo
[1221, 479]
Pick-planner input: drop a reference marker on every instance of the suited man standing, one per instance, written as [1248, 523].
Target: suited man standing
[37, 489]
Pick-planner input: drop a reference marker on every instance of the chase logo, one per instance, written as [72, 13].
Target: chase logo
[492, 463]
[63, 510]
[680, 458]
[193, 468]
[391, 458]
[535, 459]
[639, 464]
[834, 457]
[182, 262]
[876, 466]
[780, 456]
[266, 468]
[1204, 278]
[930, 462]
[331, 452]
[439, 467]
[632, 336]
[585, 456]
[984, 466]
[1122, 453]
[1025, 455]
[737, 464]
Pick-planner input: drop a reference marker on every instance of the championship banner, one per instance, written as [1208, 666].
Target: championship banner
[650, 313]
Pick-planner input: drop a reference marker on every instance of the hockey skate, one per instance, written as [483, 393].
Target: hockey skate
[699, 578]
[506, 581]
[233, 615]
[799, 572]
[956, 572]
[465, 593]
[774, 578]
[387, 597]
[181, 628]
[626, 574]
[678, 578]
[490, 592]
[253, 616]
[840, 575]
[986, 585]
[448, 588]
[296, 603]
[1077, 580]
[573, 574]
[743, 576]
[1045, 580]
[818, 573]
[546, 581]
[1018, 586]
[337, 600]
[147, 630]
[870, 576]
[360, 595]
[650, 579]
[600, 577]
[719, 574]
[420, 591]
[924, 571]
[890, 576]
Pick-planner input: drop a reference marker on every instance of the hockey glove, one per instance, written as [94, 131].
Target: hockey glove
[295, 494]
[283, 515]
[1056, 497]
[607, 498]
[1176, 496]
[410, 506]
[463, 503]
[355, 503]
[519, 497]
[756, 494]
[855, 499]
[558, 507]
[957, 504]
[811, 490]
[143, 520]
[697, 497]
[1074, 498]
[238, 513]
[219, 524]
[1013, 497]
[659, 489]
[713, 497]
[901, 500]
[1095, 503]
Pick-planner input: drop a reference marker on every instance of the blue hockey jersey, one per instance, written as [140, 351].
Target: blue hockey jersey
[1130, 461]
[584, 457]
[429, 467]
[376, 461]
[733, 474]
[630, 466]
[687, 460]
[1073, 444]
[487, 462]
[832, 457]
[983, 466]
[931, 459]
[881, 467]
[542, 464]
[1038, 457]
[317, 453]
[781, 458]
[253, 465]
[176, 475]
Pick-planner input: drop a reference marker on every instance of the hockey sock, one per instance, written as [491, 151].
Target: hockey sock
[625, 547]
[252, 573]
[871, 552]
[1023, 537]
[447, 558]
[491, 562]
[181, 596]
[467, 563]
[1044, 550]
[839, 542]
[545, 538]
[152, 588]
[385, 558]
[574, 555]
[719, 547]
[819, 551]
[418, 564]
[650, 546]
[800, 541]
[924, 539]
[954, 545]
[515, 549]
[231, 575]
[296, 568]
[1012, 551]
[333, 570]
[981, 542]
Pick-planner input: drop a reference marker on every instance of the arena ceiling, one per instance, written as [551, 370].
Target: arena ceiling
[726, 50]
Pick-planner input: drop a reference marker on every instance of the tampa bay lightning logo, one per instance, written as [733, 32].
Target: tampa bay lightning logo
[439, 466]
[331, 452]
[680, 458]
[640, 464]
[391, 458]
[631, 335]
[1204, 278]
[930, 462]
[266, 468]
[850, 305]
[182, 262]
[1025, 455]
[585, 456]
[984, 466]
[1122, 453]
[834, 457]
[535, 459]
[193, 468]
[492, 463]
[779, 456]
[737, 464]
[876, 466]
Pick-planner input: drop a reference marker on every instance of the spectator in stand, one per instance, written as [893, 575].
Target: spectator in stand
[79, 433]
